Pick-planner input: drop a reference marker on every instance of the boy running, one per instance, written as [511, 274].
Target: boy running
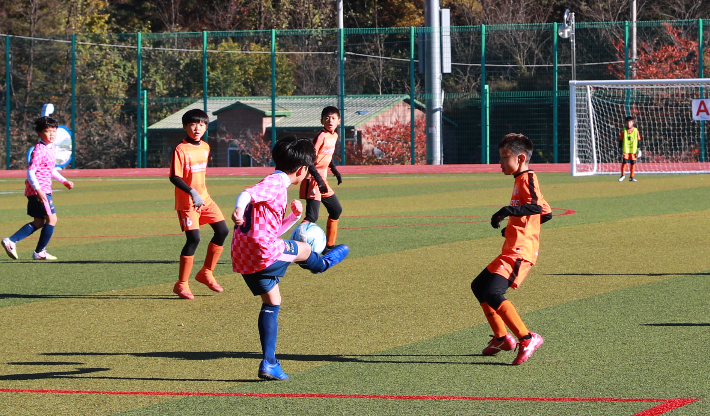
[629, 142]
[527, 210]
[315, 188]
[257, 252]
[38, 190]
[194, 205]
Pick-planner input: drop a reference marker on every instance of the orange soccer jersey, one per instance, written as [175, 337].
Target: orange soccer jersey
[522, 234]
[189, 162]
[325, 149]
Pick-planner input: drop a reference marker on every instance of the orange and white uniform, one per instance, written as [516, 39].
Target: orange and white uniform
[189, 163]
[325, 149]
[522, 234]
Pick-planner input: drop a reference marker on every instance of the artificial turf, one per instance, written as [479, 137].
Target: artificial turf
[618, 294]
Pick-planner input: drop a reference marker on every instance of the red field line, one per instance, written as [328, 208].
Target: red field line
[665, 406]
[347, 170]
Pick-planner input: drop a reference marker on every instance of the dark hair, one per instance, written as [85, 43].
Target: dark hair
[291, 153]
[43, 123]
[629, 118]
[329, 110]
[518, 144]
[195, 116]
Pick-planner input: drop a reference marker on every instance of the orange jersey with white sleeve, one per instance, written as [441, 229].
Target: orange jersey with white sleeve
[522, 234]
[189, 163]
[324, 144]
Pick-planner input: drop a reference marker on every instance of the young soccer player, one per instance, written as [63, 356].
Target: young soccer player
[257, 252]
[194, 205]
[629, 142]
[527, 210]
[38, 190]
[315, 188]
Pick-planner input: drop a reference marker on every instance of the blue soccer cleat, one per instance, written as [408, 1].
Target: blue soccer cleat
[271, 371]
[336, 255]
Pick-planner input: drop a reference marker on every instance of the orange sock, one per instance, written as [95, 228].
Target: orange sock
[633, 170]
[213, 253]
[510, 316]
[331, 232]
[185, 268]
[623, 169]
[496, 323]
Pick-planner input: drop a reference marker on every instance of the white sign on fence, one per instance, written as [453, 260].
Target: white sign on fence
[701, 109]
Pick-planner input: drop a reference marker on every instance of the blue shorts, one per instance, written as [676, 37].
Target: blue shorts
[36, 209]
[264, 280]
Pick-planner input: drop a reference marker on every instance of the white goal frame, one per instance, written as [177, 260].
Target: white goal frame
[595, 152]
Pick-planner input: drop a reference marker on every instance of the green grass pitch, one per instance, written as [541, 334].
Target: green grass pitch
[621, 295]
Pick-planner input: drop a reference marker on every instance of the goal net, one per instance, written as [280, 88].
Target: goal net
[671, 140]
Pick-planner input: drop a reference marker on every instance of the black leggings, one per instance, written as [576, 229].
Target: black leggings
[193, 238]
[331, 204]
[490, 288]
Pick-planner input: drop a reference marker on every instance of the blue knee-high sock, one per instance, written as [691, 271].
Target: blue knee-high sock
[268, 330]
[23, 232]
[315, 263]
[44, 237]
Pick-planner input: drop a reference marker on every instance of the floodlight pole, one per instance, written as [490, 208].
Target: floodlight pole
[574, 48]
[433, 82]
[633, 39]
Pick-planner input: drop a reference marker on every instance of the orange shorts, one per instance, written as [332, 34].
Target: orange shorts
[630, 156]
[515, 270]
[206, 214]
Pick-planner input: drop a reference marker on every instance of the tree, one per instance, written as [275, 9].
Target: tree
[392, 145]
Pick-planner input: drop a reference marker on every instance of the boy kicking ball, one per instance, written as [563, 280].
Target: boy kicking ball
[260, 256]
[38, 190]
[527, 210]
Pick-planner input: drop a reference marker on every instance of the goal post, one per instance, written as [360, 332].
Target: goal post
[672, 128]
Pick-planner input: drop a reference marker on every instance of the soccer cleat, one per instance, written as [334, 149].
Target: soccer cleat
[271, 371]
[205, 276]
[495, 346]
[42, 255]
[182, 289]
[632, 179]
[621, 178]
[527, 347]
[335, 256]
[10, 248]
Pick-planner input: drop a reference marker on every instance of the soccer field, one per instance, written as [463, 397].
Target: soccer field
[620, 293]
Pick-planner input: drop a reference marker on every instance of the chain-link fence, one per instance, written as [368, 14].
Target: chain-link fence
[122, 95]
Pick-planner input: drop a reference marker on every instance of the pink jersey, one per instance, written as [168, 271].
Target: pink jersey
[44, 158]
[255, 244]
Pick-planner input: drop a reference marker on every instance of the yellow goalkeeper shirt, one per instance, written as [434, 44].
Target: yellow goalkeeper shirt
[629, 140]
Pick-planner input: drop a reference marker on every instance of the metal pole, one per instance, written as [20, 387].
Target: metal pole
[554, 92]
[633, 36]
[273, 88]
[204, 81]
[139, 88]
[626, 49]
[573, 41]
[433, 82]
[73, 101]
[487, 123]
[702, 93]
[484, 130]
[144, 93]
[8, 102]
[412, 121]
[341, 92]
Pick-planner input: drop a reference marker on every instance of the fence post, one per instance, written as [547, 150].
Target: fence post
[8, 103]
[626, 49]
[144, 94]
[412, 122]
[486, 153]
[554, 93]
[484, 116]
[139, 88]
[700, 75]
[273, 88]
[204, 81]
[73, 101]
[341, 93]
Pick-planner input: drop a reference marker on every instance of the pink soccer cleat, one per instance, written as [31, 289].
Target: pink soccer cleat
[495, 346]
[527, 347]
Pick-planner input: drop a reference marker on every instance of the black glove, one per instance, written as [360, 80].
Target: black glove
[337, 175]
[502, 231]
[322, 187]
[498, 216]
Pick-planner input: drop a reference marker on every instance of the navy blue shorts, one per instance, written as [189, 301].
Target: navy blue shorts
[264, 280]
[36, 209]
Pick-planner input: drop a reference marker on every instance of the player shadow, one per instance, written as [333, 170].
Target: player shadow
[679, 324]
[95, 262]
[214, 355]
[630, 274]
[89, 296]
[84, 373]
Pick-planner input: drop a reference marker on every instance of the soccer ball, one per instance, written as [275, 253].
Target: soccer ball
[310, 233]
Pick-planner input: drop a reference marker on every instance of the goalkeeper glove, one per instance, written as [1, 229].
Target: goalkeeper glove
[337, 174]
[498, 216]
[502, 231]
[196, 198]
